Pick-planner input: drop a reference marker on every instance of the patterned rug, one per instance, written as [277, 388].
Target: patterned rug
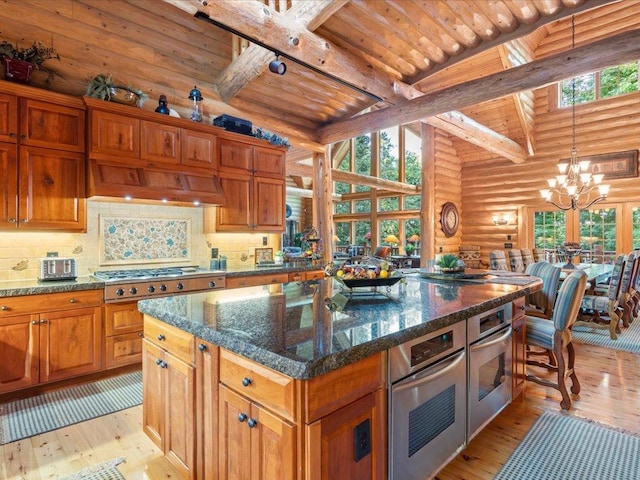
[628, 340]
[102, 471]
[564, 447]
[50, 411]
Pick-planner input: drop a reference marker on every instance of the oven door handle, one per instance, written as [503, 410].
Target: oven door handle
[427, 375]
[489, 343]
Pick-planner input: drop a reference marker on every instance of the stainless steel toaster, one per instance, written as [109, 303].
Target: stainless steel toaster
[57, 268]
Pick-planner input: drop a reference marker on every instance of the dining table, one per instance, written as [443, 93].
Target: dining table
[596, 272]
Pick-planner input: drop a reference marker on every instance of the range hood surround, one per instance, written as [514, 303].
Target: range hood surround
[113, 178]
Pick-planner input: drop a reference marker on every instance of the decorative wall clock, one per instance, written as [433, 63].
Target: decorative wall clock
[449, 219]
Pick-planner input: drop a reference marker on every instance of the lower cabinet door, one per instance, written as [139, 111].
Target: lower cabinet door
[19, 345]
[153, 393]
[235, 436]
[70, 343]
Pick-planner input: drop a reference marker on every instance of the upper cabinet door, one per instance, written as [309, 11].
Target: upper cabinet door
[114, 135]
[159, 143]
[235, 157]
[47, 125]
[8, 118]
[268, 162]
[8, 185]
[198, 149]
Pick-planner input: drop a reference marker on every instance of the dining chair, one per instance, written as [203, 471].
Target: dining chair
[527, 257]
[498, 260]
[539, 255]
[624, 296]
[634, 288]
[600, 311]
[515, 260]
[555, 335]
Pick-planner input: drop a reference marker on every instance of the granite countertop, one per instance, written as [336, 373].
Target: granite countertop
[14, 288]
[252, 270]
[289, 328]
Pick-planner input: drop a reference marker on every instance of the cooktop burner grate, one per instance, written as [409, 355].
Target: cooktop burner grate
[133, 274]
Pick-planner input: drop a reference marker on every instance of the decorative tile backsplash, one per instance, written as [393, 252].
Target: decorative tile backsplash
[144, 240]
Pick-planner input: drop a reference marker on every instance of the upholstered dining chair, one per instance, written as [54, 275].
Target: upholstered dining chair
[540, 303]
[498, 260]
[539, 255]
[555, 335]
[600, 311]
[527, 257]
[515, 260]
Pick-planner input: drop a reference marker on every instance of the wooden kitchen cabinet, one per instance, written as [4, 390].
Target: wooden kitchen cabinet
[252, 179]
[256, 280]
[46, 338]
[114, 135]
[168, 409]
[42, 161]
[123, 334]
[304, 276]
[254, 443]
[519, 345]
[207, 378]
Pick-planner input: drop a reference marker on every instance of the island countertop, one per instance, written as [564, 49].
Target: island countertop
[292, 327]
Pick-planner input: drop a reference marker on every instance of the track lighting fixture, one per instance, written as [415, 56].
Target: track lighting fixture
[276, 66]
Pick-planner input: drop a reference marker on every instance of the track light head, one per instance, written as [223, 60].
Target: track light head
[276, 66]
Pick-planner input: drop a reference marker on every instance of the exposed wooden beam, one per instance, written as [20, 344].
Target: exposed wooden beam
[473, 132]
[616, 50]
[308, 193]
[356, 179]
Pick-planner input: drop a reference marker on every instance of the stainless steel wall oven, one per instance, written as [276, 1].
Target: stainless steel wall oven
[427, 402]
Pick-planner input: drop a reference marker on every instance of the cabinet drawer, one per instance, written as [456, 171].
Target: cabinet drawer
[518, 307]
[179, 343]
[123, 350]
[49, 302]
[255, 280]
[260, 384]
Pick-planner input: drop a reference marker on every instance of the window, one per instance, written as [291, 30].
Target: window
[607, 83]
[598, 233]
[635, 226]
[389, 204]
[549, 229]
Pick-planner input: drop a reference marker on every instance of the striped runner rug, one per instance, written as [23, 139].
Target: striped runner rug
[628, 340]
[52, 410]
[565, 447]
[102, 471]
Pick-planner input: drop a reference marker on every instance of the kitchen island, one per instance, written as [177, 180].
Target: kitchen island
[277, 378]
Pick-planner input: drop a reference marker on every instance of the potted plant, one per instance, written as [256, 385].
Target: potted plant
[20, 62]
[449, 263]
[105, 88]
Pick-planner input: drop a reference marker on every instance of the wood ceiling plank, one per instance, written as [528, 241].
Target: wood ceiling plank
[615, 50]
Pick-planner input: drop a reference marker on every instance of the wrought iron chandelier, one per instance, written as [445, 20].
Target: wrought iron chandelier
[572, 189]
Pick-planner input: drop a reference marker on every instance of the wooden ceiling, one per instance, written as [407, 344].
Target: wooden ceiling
[394, 57]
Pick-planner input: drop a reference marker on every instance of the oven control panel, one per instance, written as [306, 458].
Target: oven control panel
[161, 287]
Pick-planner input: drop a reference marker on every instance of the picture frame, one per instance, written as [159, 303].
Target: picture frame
[614, 165]
[264, 255]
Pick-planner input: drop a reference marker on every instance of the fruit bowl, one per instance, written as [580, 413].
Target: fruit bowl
[370, 282]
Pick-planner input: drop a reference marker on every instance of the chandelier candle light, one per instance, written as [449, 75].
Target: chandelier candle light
[574, 184]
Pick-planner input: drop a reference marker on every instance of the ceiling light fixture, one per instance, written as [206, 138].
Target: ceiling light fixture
[276, 66]
[573, 186]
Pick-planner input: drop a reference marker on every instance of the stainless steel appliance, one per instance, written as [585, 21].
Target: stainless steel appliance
[490, 366]
[57, 268]
[138, 284]
[427, 403]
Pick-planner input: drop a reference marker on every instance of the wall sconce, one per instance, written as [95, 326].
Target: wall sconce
[501, 220]
[276, 66]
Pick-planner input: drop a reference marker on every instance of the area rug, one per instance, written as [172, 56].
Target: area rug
[52, 410]
[564, 447]
[102, 471]
[628, 340]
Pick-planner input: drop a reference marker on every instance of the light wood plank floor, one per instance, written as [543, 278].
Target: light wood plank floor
[610, 394]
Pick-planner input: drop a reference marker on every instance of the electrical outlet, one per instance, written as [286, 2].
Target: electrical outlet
[52, 254]
[440, 249]
[508, 237]
[264, 241]
[508, 245]
[362, 440]
[214, 253]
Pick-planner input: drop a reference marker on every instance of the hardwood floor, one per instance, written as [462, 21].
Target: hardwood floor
[610, 394]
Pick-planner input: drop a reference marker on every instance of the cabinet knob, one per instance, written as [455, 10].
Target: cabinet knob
[522, 307]
[13, 135]
[24, 220]
[23, 137]
[44, 320]
[140, 334]
[161, 337]
[202, 347]
[73, 300]
[4, 308]
[246, 381]
[252, 423]
[242, 417]
[12, 220]
[34, 322]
